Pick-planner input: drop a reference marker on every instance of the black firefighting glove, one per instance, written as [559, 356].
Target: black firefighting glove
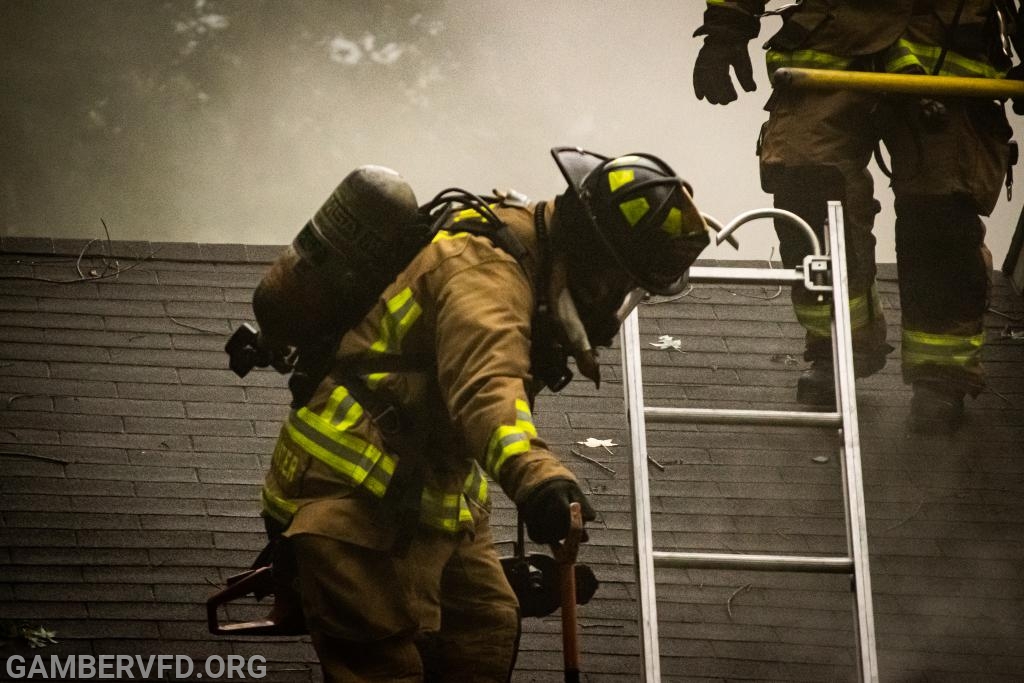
[546, 510]
[727, 33]
[711, 78]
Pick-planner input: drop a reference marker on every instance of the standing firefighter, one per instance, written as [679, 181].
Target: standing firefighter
[377, 487]
[949, 159]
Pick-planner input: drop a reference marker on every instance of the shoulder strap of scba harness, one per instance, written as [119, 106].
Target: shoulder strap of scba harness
[462, 211]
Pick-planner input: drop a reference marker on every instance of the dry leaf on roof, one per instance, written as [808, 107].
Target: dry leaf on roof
[668, 342]
[38, 636]
[598, 443]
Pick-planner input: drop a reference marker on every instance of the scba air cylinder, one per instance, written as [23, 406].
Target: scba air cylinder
[352, 248]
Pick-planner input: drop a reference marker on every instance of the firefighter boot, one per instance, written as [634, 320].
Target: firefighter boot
[936, 407]
[815, 387]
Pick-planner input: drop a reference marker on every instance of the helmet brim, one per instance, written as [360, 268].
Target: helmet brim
[576, 164]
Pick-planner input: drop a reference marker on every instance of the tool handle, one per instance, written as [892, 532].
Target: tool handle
[566, 557]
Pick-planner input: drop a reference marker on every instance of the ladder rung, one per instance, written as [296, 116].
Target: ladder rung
[751, 276]
[780, 418]
[786, 563]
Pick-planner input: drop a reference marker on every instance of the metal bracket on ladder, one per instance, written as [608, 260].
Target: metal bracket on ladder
[817, 273]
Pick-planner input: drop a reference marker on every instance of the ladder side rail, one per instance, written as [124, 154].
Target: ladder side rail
[640, 494]
[853, 481]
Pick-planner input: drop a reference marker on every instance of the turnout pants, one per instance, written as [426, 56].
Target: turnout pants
[443, 611]
[947, 170]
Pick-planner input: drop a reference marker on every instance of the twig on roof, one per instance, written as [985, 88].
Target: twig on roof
[78, 263]
[1008, 401]
[34, 456]
[109, 271]
[110, 250]
[728, 603]
[1006, 315]
[192, 327]
[87, 278]
[600, 625]
[591, 460]
[686, 292]
[920, 504]
[14, 397]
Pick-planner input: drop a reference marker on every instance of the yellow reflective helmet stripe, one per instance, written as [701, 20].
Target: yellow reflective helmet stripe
[673, 224]
[920, 348]
[402, 313]
[634, 209]
[620, 177]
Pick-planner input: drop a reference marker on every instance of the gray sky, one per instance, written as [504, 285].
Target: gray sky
[232, 120]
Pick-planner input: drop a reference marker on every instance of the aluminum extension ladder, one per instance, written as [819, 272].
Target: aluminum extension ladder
[813, 274]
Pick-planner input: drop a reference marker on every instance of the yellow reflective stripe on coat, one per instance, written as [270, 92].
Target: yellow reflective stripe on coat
[907, 56]
[472, 214]
[402, 313]
[278, 508]
[920, 348]
[358, 461]
[450, 511]
[804, 59]
[475, 488]
[442, 235]
[904, 56]
[817, 318]
[510, 440]
[341, 410]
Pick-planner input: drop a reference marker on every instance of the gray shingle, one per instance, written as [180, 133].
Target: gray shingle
[167, 450]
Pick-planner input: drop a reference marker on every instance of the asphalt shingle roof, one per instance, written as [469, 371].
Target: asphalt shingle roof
[132, 460]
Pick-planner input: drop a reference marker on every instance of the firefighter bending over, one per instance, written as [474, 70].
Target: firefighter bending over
[948, 160]
[378, 484]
